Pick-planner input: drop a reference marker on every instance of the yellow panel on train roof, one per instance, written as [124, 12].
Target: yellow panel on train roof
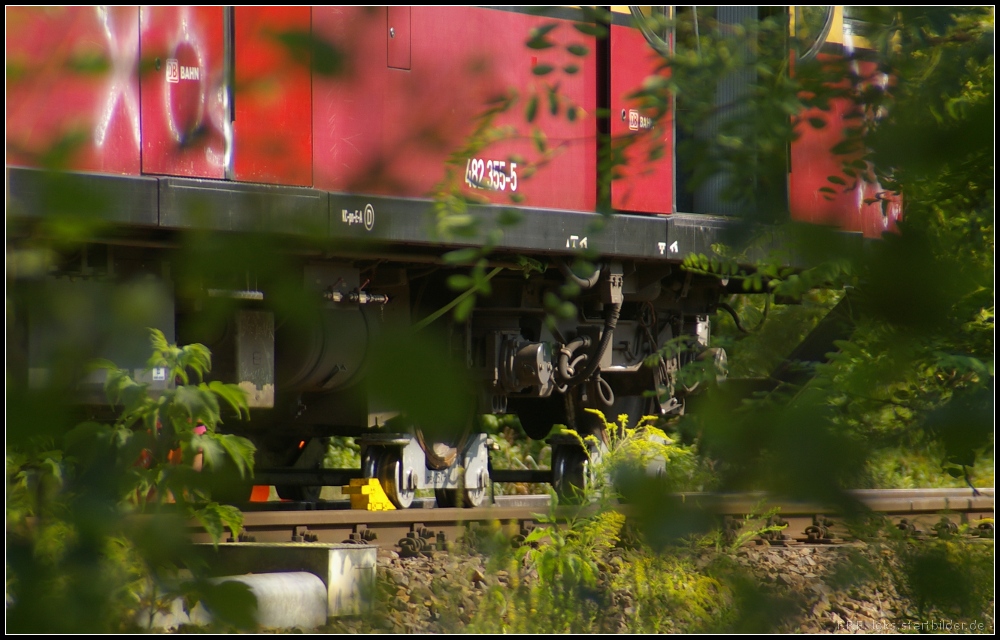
[624, 8]
[839, 31]
[836, 35]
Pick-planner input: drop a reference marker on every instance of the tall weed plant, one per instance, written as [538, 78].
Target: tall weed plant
[96, 523]
[589, 576]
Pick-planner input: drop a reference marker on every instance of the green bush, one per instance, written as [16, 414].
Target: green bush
[76, 542]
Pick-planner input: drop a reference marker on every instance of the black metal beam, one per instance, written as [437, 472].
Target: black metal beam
[235, 206]
[371, 222]
[35, 193]
[411, 221]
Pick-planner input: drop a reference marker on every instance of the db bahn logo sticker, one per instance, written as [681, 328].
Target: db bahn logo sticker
[186, 91]
[637, 122]
[176, 73]
[173, 70]
[365, 217]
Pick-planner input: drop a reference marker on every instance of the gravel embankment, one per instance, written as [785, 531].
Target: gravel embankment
[441, 594]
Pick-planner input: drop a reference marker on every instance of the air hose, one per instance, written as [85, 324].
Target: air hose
[573, 378]
[583, 283]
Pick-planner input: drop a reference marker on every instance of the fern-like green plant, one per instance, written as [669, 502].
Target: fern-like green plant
[76, 547]
[161, 441]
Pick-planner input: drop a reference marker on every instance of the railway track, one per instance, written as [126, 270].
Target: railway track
[922, 512]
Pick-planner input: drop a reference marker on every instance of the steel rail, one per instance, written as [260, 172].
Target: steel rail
[918, 510]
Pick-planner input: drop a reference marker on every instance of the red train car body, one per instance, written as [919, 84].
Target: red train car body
[338, 123]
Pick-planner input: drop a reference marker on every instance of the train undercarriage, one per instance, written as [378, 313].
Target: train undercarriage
[306, 366]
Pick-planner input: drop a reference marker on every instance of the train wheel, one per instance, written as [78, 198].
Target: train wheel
[475, 497]
[396, 481]
[570, 473]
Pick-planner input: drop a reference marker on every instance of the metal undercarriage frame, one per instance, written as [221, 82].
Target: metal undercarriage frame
[165, 203]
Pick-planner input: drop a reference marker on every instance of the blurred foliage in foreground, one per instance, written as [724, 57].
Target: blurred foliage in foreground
[74, 542]
[916, 369]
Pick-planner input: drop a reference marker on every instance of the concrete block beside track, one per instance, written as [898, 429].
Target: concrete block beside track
[346, 570]
[297, 584]
[288, 600]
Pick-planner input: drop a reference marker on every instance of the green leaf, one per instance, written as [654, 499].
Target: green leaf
[464, 308]
[198, 357]
[100, 363]
[537, 39]
[596, 30]
[845, 147]
[530, 265]
[84, 435]
[542, 69]
[197, 403]
[578, 50]
[509, 217]
[240, 450]
[571, 69]
[234, 396]
[158, 340]
[322, 56]
[532, 109]
[539, 138]
[232, 603]
[459, 282]
[566, 310]
[213, 451]
[460, 256]
[536, 534]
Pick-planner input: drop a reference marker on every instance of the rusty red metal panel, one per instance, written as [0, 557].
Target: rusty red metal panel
[398, 46]
[272, 131]
[644, 182]
[380, 130]
[73, 88]
[184, 99]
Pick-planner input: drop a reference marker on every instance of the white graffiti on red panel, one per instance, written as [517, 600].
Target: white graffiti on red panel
[121, 88]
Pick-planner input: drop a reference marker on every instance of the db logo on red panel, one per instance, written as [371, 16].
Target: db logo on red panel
[637, 122]
[173, 70]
